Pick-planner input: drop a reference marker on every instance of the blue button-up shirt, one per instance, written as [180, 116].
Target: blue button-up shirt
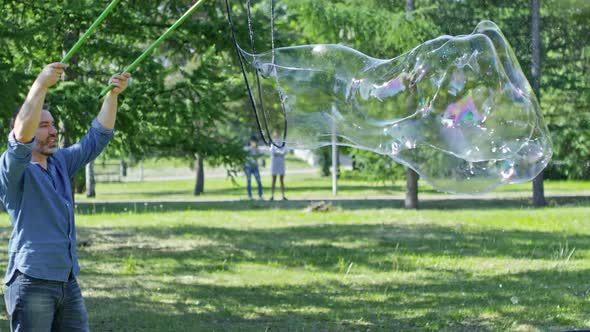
[40, 205]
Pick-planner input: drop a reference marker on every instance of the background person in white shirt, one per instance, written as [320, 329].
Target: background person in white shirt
[277, 165]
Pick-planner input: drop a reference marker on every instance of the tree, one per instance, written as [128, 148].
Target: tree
[538, 191]
[564, 60]
[411, 201]
[34, 35]
[193, 118]
[565, 85]
[381, 29]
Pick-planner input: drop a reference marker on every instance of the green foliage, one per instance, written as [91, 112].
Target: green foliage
[186, 99]
[375, 167]
[565, 64]
[565, 86]
[384, 29]
[380, 29]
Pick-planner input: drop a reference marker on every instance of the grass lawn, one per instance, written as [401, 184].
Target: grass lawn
[156, 258]
[252, 266]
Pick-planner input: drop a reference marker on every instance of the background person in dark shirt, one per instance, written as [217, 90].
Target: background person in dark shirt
[252, 168]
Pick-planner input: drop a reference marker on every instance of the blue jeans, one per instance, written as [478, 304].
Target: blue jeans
[45, 305]
[249, 172]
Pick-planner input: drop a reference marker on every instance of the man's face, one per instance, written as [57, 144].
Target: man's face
[46, 135]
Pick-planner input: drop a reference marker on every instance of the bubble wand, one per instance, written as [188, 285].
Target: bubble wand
[96, 23]
[166, 34]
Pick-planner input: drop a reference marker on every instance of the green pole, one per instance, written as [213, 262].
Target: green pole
[166, 34]
[82, 39]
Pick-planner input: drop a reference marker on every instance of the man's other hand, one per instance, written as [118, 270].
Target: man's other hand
[50, 74]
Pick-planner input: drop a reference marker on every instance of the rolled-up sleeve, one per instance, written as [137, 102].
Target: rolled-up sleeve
[101, 129]
[13, 163]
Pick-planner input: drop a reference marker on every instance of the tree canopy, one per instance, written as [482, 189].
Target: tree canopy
[384, 29]
[187, 99]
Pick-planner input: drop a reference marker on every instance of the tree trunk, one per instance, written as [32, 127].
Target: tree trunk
[411, 176]
[411, 189]
[334, 154]
[200, 181]
[335, 167]
[325, 160]
[90, 183]
[122, 168]
[141, 170]
[538, 189]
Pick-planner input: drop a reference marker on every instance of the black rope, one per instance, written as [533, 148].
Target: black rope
[242, 67]
[267, 139]
[259, 86]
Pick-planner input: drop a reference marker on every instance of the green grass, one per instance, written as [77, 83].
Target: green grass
[358, 267]
[156, 258]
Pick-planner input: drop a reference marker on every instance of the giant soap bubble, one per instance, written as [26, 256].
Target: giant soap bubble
[457, 110]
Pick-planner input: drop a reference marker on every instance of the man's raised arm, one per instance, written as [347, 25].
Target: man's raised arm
[29, 115]
[108, 111]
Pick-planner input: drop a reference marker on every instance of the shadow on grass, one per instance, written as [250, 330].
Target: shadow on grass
[404, 280]
[387, 247]
[449, 203]
[387, 277]
[163, 193]
[464, 303]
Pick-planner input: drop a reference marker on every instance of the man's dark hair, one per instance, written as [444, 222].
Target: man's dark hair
[253, 138]
[15, 114]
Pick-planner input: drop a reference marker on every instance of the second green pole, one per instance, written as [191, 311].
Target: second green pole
[166, 34]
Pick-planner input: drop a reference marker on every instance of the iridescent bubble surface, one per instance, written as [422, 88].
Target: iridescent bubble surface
[458, 110]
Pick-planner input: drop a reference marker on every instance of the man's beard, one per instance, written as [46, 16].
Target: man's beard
[45, 150]
[48, 151]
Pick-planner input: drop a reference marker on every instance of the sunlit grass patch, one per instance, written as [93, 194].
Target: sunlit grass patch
[348, 269]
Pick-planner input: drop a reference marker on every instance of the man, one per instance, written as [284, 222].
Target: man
[41, 292]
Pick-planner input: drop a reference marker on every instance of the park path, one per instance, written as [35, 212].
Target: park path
[183, 175]
[341, 198]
